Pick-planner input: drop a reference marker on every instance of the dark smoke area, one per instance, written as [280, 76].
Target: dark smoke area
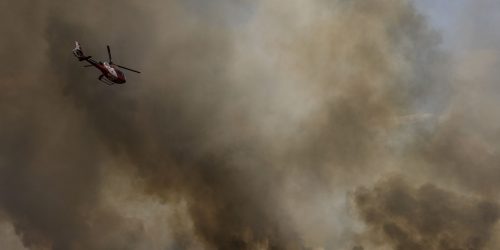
[426, 217]
[253, 125]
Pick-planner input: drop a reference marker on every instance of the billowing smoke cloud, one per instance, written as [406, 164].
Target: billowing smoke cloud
[250, 126]
[426, 217]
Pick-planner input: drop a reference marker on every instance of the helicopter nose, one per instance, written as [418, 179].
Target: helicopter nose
[120, 77]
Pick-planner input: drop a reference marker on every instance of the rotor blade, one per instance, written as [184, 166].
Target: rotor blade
[123, 67]
[109, 54]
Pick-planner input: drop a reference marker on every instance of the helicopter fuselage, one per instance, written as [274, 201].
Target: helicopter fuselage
[111, 73]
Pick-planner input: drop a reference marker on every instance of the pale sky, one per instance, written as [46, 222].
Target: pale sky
[443, 16]
[464, 24]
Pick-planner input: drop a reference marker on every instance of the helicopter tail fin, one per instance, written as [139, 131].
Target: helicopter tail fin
[78, 52]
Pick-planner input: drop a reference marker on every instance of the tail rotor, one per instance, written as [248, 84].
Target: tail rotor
[78, 52]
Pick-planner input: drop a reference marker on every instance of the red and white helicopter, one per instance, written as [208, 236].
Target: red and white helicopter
[110, 74]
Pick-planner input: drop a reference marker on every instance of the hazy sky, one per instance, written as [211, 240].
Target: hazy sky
[442, 14]
[453, 18]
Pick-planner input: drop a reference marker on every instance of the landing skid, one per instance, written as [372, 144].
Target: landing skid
[105, 80]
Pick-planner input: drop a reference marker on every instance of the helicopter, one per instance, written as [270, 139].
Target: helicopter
[110, 72]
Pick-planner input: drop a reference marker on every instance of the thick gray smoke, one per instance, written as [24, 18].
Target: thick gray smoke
[255, 125]
[427, 217]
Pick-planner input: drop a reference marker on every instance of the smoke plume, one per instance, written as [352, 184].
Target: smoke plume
[426, 217]
[254, 125]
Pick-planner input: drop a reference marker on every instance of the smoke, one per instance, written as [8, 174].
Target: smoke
[426, 217]
[250, 127]
[457, 150]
